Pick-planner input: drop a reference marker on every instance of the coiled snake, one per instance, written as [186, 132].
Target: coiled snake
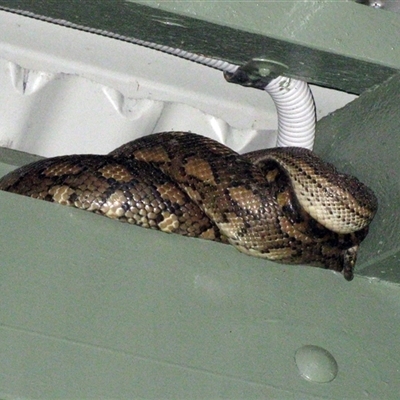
[283, 204]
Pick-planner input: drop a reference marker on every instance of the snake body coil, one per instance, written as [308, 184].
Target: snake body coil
[283, 204]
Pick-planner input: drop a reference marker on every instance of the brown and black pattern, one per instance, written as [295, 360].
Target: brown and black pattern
[282, 204]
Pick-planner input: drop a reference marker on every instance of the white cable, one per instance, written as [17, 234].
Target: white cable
[210, 62]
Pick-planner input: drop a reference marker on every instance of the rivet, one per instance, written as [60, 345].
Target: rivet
[316, 364]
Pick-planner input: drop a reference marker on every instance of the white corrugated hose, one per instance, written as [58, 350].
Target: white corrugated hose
[296, 112]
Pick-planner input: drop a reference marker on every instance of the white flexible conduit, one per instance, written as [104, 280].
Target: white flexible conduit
[296, 112]
[292, 98]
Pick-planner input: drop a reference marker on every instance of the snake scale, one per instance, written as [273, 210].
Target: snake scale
[283, 204]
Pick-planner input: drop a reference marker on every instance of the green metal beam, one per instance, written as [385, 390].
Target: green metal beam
[333, 44]
[363, 139]
[93, 308]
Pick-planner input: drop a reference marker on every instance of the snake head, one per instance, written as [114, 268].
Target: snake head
[349, 261]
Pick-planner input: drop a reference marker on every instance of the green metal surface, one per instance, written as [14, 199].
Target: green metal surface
[10, 158]
[341, 45]
[363, 138]
[93, 308]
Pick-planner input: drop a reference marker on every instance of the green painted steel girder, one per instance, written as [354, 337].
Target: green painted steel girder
[341, 45]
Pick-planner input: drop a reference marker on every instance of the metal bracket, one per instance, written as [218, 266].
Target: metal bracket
[257, 73]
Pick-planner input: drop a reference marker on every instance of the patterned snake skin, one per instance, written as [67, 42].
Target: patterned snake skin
[283, 204]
